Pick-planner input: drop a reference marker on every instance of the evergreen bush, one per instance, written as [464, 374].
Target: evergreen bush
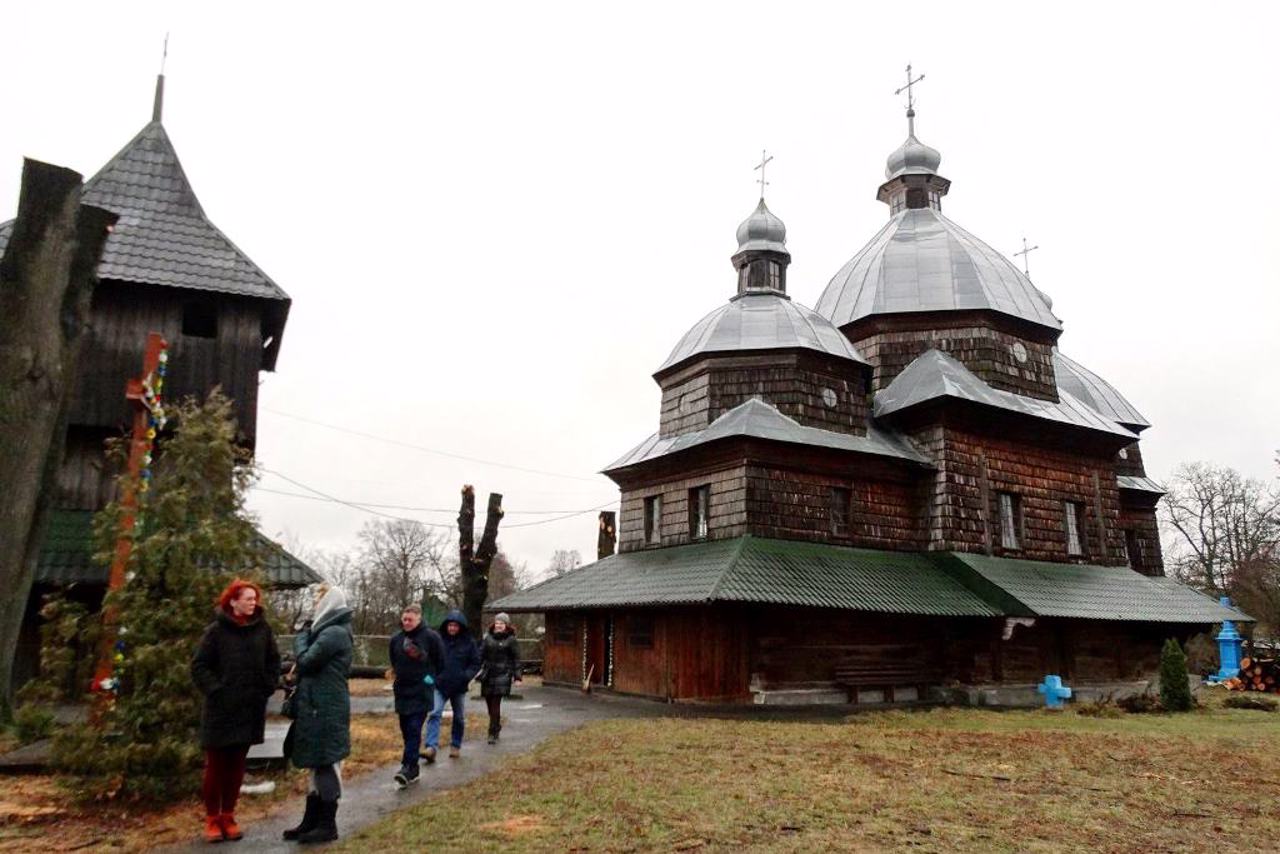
[191, 528]
[1175, 692]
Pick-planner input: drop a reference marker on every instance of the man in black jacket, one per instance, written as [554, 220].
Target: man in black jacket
[417, 657]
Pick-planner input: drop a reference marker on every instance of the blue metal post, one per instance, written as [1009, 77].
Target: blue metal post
[1229, 643]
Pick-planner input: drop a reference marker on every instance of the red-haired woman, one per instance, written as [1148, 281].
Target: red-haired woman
[236, 667]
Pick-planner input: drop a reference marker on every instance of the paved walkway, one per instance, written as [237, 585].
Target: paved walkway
[543, 712]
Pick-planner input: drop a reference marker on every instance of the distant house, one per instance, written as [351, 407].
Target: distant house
[166, 268]
[905, 489]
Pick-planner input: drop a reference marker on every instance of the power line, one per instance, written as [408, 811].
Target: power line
[369, 508]
[422, 448]
[409, 507]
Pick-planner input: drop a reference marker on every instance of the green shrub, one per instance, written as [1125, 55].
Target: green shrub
[1175, 692]
[1253, 702]
[32, 723]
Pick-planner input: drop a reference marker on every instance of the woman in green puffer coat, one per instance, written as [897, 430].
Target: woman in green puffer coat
[322, 704]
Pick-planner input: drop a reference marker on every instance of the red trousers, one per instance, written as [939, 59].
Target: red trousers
[223, 774]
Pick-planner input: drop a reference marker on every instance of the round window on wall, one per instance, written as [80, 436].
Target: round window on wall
[1019, 351]
[686, 404]
[1124, 453]
[829, 397]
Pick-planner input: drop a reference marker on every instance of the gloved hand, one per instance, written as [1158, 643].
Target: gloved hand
[428, 680]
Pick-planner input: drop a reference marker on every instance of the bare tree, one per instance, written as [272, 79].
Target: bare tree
[400, 562]
[46, 282]
[506, 577]
[564, 560]
[1223, 527]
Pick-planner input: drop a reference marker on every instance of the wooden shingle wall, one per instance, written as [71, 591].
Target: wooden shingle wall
[796, 384]
[797, 505]
[727, 514]
[990, 353]
[963, 509]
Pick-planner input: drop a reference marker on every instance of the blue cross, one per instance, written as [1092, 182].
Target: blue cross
[1054, 691]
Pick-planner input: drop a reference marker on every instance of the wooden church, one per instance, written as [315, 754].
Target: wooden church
[906, 493]
[166, 268]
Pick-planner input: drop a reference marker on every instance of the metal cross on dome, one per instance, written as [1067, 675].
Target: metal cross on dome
[1026, 254]
[765, 157]
[910, 95]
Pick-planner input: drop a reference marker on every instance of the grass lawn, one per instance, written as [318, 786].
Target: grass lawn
[938, 780]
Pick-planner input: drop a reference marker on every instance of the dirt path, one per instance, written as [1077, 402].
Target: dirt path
[541, 713]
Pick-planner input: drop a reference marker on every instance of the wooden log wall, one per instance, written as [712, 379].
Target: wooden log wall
[123, 314]
[794, 383]
[85, 482]
[562, 660]
[963, 507]
[976, 340]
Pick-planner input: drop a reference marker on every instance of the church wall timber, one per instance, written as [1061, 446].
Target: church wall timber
[121, 317]
[991, 354]
[797, 385]
[1141, 521]
[1129, 462]
[726, 518]
[963, 504]
[562, 650]
[798, 505]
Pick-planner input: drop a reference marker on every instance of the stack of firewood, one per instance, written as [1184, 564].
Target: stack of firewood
[1257, 674]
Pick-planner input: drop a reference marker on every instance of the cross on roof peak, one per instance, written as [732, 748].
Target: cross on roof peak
[765, 157]
[1026, 254]
[911, 102]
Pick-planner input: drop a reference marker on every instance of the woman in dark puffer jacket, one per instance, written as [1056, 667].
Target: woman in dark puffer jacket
[236, 668]
[500, 658]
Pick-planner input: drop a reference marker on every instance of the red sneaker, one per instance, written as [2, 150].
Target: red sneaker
[230, 830]
[213, 828]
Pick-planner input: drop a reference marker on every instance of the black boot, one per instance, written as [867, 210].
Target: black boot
[326, 829]
[309, 818]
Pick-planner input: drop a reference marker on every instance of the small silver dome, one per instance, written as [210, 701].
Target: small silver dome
[762, 231]
[761, 321]
[913, 157]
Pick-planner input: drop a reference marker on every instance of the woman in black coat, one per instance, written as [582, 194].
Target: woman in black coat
[500, 658]
[236, 668]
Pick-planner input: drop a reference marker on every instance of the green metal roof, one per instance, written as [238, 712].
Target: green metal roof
[1039, 588]
[766, 571]
[66, 557]
[949, 584]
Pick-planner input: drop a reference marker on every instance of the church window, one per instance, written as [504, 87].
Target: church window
[699, 503]
[1010, 520]
[1134, 549]
[744, 277]
[897, 203]
[935, 201]
[653, 519]
[775, 275]
[200, 319]
[841, 499]
[640, 632]
[1073, 514]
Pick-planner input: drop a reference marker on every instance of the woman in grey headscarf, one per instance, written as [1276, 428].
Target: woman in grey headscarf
[322, 725]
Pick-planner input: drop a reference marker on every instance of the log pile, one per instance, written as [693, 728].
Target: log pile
[1257, 674]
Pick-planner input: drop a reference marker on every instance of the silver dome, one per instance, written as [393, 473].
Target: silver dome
[913, 157]
[761, 321]
[762, 231]
[922, 261]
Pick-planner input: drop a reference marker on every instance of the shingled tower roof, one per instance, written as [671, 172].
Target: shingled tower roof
[163, 236]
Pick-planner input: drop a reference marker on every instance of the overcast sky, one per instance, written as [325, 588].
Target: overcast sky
[495, 220]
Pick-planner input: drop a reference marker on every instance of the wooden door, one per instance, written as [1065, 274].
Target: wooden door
[599, 630]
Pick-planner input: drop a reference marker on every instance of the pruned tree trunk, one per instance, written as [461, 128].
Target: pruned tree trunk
[474, 561]
[46, 282]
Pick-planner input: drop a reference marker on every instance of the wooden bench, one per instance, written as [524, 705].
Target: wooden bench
[885, 676]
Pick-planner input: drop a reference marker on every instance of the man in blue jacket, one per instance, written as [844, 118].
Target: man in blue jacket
[461, 664]
[417, 657]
